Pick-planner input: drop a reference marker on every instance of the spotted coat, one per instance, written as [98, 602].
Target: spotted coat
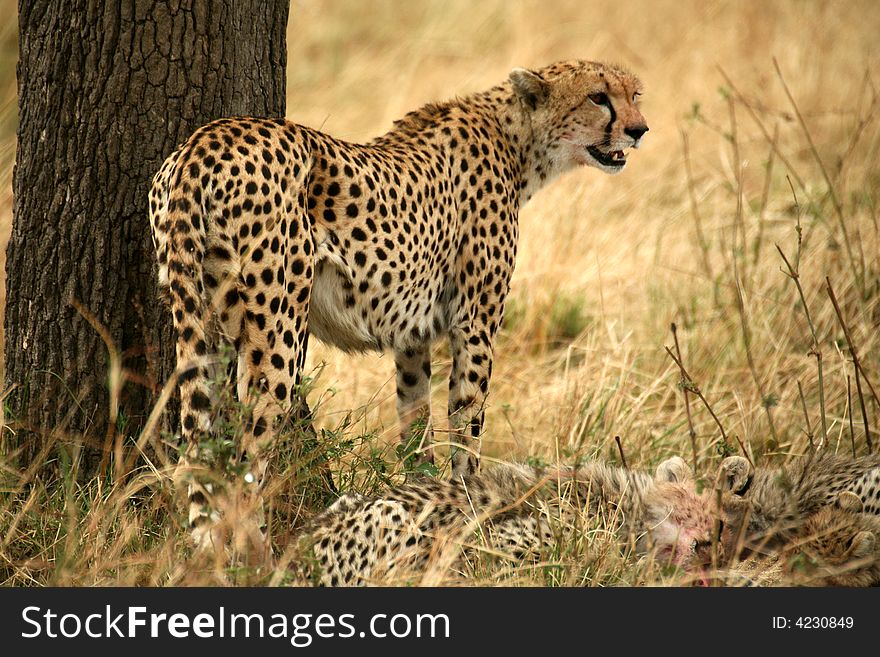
[511, 511]
[766, 506]
[267, 232]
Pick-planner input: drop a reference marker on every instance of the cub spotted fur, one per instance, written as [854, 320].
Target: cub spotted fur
[511, 510]
[766, 506]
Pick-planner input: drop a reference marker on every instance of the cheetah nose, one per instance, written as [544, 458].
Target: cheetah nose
[636, 131]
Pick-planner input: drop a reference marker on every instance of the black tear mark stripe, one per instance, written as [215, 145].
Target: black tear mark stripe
[610, 107]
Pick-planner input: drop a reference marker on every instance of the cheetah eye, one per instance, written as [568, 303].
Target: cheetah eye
[599, 99]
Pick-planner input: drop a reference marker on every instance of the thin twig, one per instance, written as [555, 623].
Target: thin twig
[838, 208]
[806, 414]
[856, 363]
[689, 384]
[816, 351]
[687, 402]
[762, 128]
[698, 220]
[115, 379]
[765, 197]
[852, 433]
[744, 450]
[863, 122]
[863, 408]
[797, 225]
[739, 220]
[747, 342]
[622, 455]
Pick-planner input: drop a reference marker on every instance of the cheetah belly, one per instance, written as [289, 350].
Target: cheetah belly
[330, 320]
[354, 322]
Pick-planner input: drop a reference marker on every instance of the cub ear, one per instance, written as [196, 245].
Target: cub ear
[674, 470]
[531, 88]
[734, 474]
[849, 501]
[863, 545]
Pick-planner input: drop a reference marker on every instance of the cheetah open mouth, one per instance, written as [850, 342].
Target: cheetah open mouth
[610, 159]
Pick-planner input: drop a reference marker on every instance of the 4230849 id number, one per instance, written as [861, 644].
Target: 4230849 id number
[813, 623]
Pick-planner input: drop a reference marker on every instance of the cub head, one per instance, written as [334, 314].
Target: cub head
[835, 548]
[681, 521]
[582, 113]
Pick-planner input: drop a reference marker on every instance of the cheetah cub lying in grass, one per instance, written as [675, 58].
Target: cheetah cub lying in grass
[512, 512]
[836, 546]
[767, 506]
[813, 521]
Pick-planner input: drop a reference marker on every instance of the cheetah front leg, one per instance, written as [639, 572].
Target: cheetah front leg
[414, 401]
[472, 350]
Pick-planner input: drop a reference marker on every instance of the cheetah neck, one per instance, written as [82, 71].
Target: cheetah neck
[538, 164]
[511, 121]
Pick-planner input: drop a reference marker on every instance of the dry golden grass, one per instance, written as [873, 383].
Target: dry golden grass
[606, 264]
[619, 257]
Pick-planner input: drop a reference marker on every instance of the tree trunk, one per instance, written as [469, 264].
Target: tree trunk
[106, 90]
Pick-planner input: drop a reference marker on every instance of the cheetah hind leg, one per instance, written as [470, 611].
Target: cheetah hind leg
[299, 474]
[315, 468]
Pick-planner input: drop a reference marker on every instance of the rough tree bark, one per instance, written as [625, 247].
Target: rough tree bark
[107, 89]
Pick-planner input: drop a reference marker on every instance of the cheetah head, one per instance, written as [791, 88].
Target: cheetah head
[835, 547]
[680, 521]
[581, 113]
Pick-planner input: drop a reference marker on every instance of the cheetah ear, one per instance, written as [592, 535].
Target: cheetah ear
[674, 470]
[849, 501]
[734, 474]
[862, 545]
[531, 88]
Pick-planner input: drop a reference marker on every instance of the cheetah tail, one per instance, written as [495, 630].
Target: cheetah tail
[190, 307]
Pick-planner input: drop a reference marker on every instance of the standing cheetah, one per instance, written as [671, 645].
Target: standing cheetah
[511, 510]
[267, 231]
